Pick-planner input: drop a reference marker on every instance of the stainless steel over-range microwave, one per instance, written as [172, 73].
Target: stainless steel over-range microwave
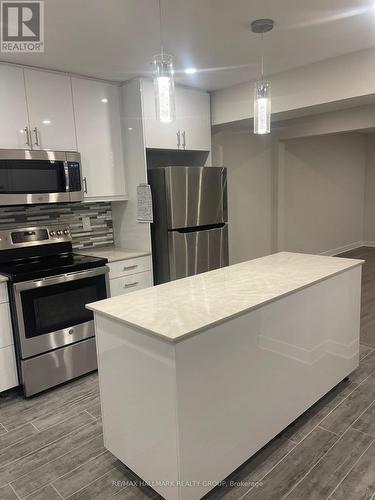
[33, 177]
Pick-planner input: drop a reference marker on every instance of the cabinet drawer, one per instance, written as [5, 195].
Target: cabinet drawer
[6, 333]
[127, 284]
[129, 266]
[4, 297]
[8, 369]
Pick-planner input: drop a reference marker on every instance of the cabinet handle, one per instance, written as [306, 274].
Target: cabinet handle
[184, 139]
[36, 132]
[28, 139]
[178, 139]
[85, 185]
[127, 268]
[129, 285]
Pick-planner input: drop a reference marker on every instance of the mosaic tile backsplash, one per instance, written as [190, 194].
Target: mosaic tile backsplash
[100, 214]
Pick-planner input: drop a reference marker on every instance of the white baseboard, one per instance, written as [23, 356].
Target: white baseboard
[346, 248]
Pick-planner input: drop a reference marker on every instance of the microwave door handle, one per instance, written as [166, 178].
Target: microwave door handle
[66, 172]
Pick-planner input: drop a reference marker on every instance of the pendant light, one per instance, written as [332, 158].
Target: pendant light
[163, 76]
[262, 88]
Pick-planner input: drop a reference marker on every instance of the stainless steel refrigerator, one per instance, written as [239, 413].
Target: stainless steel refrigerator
[190, 230]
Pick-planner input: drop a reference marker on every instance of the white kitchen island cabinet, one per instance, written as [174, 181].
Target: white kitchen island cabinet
[198, 374]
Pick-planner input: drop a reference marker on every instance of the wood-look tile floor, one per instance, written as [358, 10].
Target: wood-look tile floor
[51, 446]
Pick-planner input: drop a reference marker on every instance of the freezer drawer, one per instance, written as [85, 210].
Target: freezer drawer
[195, 196]
[198, 251]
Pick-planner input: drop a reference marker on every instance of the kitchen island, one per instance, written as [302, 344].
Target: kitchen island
[198, 374]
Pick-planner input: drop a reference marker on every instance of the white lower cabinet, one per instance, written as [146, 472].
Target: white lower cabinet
[8, 367]
[131, 283]
[129, 275]
[6, 333]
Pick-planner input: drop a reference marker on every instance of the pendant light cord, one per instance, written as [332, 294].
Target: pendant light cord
[161, 29]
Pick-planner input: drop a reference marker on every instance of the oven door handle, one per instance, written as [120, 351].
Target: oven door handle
[61, 278]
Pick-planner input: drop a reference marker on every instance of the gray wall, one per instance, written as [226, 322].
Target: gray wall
[249, 162]
[369, 225]
[302, 195]
[321, 186]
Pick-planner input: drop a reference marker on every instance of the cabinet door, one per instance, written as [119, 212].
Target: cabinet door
[14, 119]
[131, 283]
[194, 118]
[8, 369]
[50, 104]
[157, 135]
[99, 140]
[6, 331]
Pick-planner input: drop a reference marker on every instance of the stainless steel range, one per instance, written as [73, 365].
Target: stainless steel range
[49, 287]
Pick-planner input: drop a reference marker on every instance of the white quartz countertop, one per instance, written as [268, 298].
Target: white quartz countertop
[181, 308]
[112, 253]
[3, 278]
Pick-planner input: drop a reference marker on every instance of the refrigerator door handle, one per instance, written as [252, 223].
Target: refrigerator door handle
[197, 229]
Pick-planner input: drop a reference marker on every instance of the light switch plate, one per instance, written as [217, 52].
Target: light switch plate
[86, 223]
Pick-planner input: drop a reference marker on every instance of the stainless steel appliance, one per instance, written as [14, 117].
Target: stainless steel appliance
[49, 287]
[190, 231]
[32, 177]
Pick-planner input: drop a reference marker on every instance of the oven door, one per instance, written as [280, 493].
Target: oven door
[51, 312]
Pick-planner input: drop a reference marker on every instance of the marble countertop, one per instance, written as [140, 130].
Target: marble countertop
[180, 308]
[112, 253]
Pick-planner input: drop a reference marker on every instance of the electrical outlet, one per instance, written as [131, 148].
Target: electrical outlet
[86, 223]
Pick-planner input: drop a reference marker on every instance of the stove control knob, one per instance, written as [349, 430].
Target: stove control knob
[52, 233]
[66, 231]
[59, 232]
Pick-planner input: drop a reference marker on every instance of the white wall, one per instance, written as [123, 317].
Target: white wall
[249, 162]
[369, 223]
[321, 193]
[303, 195]
[338, 82]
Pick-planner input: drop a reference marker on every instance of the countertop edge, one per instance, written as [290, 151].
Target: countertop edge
[185, 336]
[107, 253]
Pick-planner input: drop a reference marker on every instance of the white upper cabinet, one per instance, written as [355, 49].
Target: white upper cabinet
[157, 135]
[193, 119]
[14, 123]
[192, 128]
[99, 138]
[51, 117]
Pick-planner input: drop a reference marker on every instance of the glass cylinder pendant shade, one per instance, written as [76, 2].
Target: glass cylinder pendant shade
[262, 107]
[164, 88]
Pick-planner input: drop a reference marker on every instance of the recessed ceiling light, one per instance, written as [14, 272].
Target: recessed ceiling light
[46, 122]
[104, 99]
[190, 71]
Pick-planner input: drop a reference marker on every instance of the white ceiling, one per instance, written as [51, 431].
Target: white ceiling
[115, 39]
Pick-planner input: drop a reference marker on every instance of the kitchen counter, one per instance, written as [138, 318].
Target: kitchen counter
[180, 308]
[3, 279]
[197, 375]
[113, 253]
